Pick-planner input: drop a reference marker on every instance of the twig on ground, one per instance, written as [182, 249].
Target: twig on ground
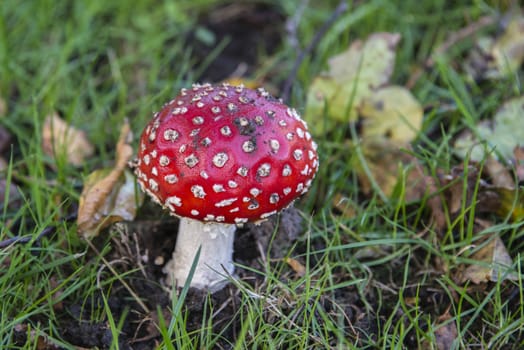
[341, 8]
[49, 230]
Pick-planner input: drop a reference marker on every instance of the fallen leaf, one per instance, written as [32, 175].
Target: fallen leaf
[5, 139]
[395, 171]
[109, 194]
[57, 296]
[501, 135]
[353, 75]
[493, 263]
[371, 61]
[508, 49]
[445, 331]
[498, 173]
[467, 188]
[518, 154]
[10, 196]
[3, 165]
[60, 139]
[498, 57]
[299, 269]
[3, 107]
[347, 208]
[391, 112]
[510, 202]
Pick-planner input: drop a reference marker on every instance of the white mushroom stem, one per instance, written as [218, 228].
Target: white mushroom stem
[216, 254]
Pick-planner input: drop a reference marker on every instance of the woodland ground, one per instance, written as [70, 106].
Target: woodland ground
[347, 268]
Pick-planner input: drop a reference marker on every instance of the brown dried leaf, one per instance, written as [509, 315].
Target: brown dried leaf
[461, 187]
[498, 173]
[60, 139]
[56, 298]
[346, 207]
[299, 269]
[14, 198]
[518, 153]
[3, 107]
[3, 165]
[109, 194]
[445, 332]
[494, 262]
[5, 139]
[392, 169]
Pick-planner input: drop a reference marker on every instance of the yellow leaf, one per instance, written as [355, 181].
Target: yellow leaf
[352, 76]
[59, 138]
[371, 62]
[337, 102]
[391, 112]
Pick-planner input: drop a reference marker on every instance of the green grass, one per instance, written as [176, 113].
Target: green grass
[377, 279]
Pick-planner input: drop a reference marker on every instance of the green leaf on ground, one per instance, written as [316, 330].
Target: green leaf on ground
[503, 134]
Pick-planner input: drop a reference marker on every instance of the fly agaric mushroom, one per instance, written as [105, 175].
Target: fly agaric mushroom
[218, 156]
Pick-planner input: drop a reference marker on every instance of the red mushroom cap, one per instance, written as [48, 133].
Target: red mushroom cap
[226, 154]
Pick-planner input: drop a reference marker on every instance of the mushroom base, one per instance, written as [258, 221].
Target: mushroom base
[216, 255]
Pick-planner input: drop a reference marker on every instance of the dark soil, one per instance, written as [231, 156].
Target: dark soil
[151, 242]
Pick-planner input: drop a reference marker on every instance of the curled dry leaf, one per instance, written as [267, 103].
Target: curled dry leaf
[494, 263]
[60, 139]
[352, 76]
[109, 194]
